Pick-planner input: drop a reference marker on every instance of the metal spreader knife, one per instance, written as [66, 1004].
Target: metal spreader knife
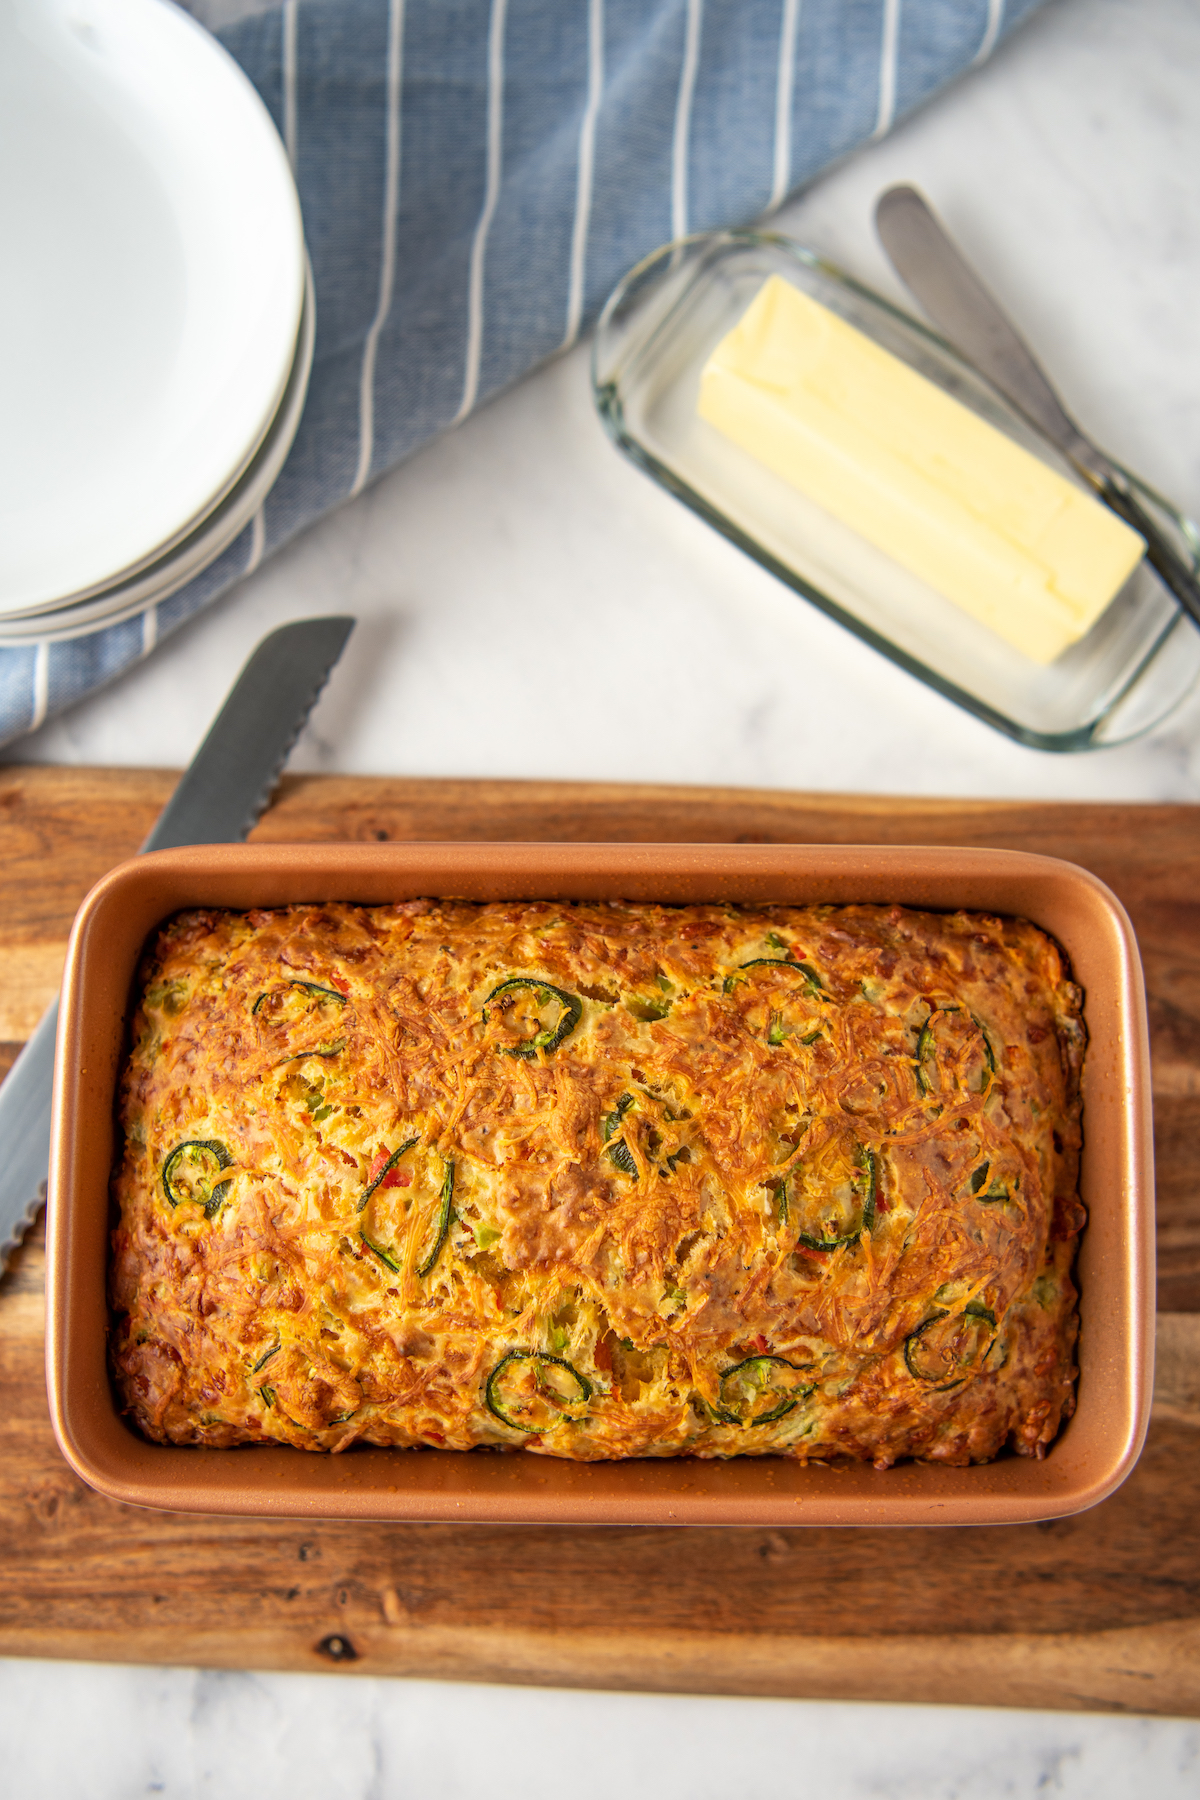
[218, 800]
[931, 265]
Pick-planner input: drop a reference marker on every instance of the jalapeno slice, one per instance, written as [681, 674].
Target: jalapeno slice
[441, 1224]
[208, 1156]
[927, 1046]
[988, 1052]
[619, 1154]
[779, 962]
[550, 1036]
[389, 1262]
[326, 1050]
[550, 1378]
[987, 1193]
[308, 987]
[445, 1208]
[744, 1383]
[388, 1166]
[868, 1162]
[946, 1342]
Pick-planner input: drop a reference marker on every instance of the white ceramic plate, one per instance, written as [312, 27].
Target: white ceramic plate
[153, 262]
[126, 599]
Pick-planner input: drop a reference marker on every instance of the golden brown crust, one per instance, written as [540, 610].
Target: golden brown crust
[633, 1264]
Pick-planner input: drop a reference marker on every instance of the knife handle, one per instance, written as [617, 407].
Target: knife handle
[25, 1124]
[1163, 558]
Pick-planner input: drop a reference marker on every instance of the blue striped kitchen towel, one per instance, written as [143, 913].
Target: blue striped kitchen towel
[475, 177]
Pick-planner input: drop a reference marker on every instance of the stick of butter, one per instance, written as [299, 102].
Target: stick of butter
[916, 473]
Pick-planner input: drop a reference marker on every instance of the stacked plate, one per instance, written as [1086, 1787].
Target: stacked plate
[156, 316]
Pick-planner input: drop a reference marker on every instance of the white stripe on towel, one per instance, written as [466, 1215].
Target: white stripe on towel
[149, 628]
[387, 263]
[289, 80]
[887, 68]
[495, 124]
[258, 539]
[587, 158]
[995, 19]
[41, 686]
[784, 88]
[683, 119]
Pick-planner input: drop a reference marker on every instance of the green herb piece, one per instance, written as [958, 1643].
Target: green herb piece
[1045, 1292]
[268, 1394]
[485, 1235]
[167, 996]
[265, 1358]
[189, 1171]
[322, 1112]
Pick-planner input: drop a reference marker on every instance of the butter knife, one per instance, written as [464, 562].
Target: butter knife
[932, 266]
[219, 798]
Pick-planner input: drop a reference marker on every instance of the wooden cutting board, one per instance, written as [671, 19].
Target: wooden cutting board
[1099, 1611]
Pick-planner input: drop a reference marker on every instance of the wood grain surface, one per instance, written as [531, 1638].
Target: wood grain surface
[1100, 1611]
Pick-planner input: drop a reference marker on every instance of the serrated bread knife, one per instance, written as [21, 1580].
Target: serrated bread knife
[219, 798]
[931, 265]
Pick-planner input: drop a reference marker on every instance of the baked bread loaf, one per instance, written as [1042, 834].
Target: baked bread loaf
[601, 1180]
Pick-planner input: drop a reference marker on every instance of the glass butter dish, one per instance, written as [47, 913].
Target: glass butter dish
[655, 336]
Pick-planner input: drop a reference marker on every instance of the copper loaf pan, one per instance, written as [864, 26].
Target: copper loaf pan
[1116, 1270]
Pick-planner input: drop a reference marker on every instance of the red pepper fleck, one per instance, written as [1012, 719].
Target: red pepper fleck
[760, 1344]
[378, 1165]
[397, 1178]
[340, 983]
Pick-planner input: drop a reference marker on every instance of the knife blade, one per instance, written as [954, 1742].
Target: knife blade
[219, 798]
[932, 266]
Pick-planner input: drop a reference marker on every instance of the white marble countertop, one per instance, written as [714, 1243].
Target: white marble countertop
[1067, 167]
[522, 540]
